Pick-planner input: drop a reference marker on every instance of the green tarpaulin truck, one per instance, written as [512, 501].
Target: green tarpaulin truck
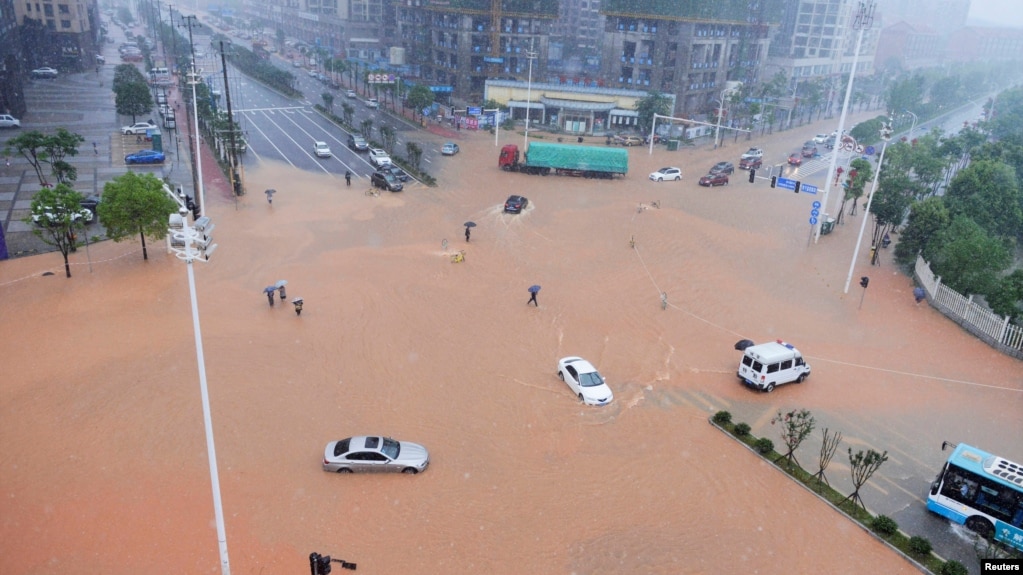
[565, 159]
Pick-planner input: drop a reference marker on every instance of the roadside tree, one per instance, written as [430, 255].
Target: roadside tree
[988, 193]
[861, 467]
[653, 103]
[40, 149]
[927, 219]
[967, 258]
[796, 425]
[56, 214]
[135, 204]
[133, 99]
[419, 98]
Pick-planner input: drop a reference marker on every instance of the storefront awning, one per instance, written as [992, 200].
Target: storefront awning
[522, 104]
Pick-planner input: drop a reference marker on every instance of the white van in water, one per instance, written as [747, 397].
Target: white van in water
[767, 365]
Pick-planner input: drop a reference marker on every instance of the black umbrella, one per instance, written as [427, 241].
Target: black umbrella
[742, 344]
[534, 288]
[270, 192]
[470, 224]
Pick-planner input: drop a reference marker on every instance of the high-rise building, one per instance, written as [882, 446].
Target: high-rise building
[942, 16]
[12, 92]
[695, 50]
[62, 33]
[576, 36]
[456, 45]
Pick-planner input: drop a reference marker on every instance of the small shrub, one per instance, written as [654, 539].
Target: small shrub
[742, 429]
[919, 545]
[763, 445]
[884, 525]
[953, 568]
[722, 417]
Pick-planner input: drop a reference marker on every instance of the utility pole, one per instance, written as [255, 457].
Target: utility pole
[193, 141]
[864, 19]
[174, 39]
[236, 182]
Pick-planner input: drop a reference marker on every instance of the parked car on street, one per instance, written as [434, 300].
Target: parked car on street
[378, 157]
[45, 73]
[375, 453]
[397, 172]
[666, 174]
[384, 179]
[137, 128]
[372, 103]
[631, 141]
[751, 163]
[9, 121]
[350, 93]
[145, 157]
[722, 168]
[719, 179]
[752, 153]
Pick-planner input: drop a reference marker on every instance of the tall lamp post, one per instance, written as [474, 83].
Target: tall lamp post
[531, 55]
[864, 19]
[192, 244]
[912, 127]
[886, 134]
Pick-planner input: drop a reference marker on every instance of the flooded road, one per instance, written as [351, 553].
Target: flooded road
[104, 465]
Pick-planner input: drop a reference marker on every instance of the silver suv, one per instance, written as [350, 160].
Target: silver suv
[357, 143]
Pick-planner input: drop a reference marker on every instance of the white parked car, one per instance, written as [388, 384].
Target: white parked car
[752, 154]
[350, 93]
[584, 380]
[321, 149]
[666, 174]
[137, 128]
[9, 121]
[372, 103]
[379, 157]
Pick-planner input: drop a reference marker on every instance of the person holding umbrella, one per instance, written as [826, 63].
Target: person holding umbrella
[348, 178]
[533, 290]
[298, 305]
[269, 291]
[468, 226]
[270, 196]
[280, 288]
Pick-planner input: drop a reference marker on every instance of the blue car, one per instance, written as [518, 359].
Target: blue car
[144, 157]
[449, 149]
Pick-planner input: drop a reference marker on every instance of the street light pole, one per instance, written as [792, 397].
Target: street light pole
[529, 92]
[886, 134]
[864, 19]
[194, 244]
[913, 126]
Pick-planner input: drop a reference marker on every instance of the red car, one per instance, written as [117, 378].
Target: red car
[796, 159]
[720, 179]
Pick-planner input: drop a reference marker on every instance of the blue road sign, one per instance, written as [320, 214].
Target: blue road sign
[815, 212]
[869, 150]
[813, 221]
[786, 184]
[475, 111]
[816, 205]
[808, 189]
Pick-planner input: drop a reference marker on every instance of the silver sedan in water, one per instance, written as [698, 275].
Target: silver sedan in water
[374, 453]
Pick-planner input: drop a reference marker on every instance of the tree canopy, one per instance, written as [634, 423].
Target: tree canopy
[135, 204]
[652, 103]
[56, 214]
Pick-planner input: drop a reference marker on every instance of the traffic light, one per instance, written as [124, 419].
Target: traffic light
[324, 565]
[774, 181]
[752, 175]
[798, 185]
[864, 281]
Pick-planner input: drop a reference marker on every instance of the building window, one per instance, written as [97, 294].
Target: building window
[65, 23]
[63, 9]
[48, 10]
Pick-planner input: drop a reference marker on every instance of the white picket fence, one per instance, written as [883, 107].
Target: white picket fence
[972, 316]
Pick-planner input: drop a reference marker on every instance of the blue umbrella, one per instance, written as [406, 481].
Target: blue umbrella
[269, 289]
[534, 288]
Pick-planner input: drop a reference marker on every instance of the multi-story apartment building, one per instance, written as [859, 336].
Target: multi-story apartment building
[987, 44]
[905, 46]
[690, 49]
[12, 93]
[348, 28]
[576, 36]
[456, 45]
[62, 33]
[941, 16]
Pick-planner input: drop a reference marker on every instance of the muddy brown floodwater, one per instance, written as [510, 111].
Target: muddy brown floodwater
[104, 466]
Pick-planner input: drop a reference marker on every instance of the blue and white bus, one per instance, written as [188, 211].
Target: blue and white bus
[983, 492]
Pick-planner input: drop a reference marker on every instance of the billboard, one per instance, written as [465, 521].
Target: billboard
[737, 11]
[533, 8]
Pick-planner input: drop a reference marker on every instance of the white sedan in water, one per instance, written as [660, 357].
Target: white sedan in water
[584, 380]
